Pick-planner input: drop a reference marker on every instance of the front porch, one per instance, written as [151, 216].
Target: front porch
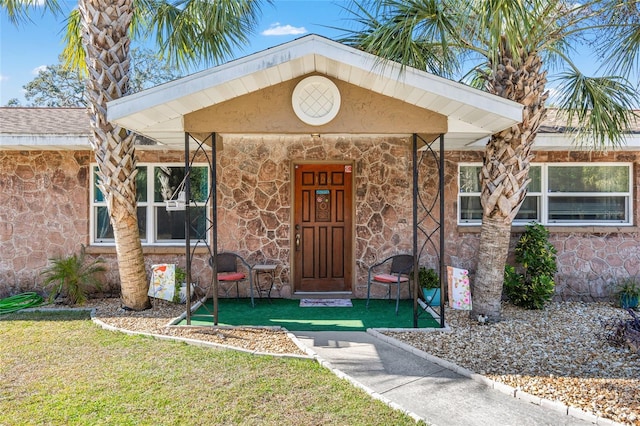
[288, 314]
[313, 103]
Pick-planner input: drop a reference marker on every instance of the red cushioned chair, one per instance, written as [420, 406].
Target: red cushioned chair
[228, 273]
[398, 273]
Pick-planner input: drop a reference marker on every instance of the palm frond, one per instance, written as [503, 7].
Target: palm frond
[413, 33]
[19, 11]
[73, 53]
[74, 275]
[194, 32]
[477, 77]
[624, 56]
[143, 11]
[496, 24]
[599, 109]
[621, 48]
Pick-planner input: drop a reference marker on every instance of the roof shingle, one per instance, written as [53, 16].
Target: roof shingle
[44, 121]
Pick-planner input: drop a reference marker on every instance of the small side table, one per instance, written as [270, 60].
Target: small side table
[265, 288]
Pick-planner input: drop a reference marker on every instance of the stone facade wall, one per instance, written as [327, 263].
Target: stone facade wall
[254, 196]
[591, 260]
[44, 212]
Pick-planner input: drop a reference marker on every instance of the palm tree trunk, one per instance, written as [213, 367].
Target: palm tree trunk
[492, 256]
[105, 35]
[130, 258]
[505, 175]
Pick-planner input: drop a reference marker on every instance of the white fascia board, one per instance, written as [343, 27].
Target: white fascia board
[559, 142]
[44, 142]
[567, 142]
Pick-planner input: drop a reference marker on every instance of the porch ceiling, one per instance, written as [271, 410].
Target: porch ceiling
[158, 113]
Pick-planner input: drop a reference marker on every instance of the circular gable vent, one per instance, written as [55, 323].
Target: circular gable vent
[316, 100]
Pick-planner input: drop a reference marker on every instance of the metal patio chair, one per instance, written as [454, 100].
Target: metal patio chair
[398, 272]
[229, 273]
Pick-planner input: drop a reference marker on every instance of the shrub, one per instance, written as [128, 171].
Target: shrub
[628, 293]
[428, 278]
[73, 276]
[179, 278]
[530, 284]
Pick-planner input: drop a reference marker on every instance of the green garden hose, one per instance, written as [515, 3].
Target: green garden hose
[20, 301]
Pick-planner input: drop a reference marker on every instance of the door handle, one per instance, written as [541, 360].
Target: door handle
[297, 242]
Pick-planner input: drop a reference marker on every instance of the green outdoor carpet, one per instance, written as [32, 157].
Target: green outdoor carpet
[287, 313]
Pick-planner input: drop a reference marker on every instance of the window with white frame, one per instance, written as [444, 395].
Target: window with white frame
[559, 194]
[155, 184]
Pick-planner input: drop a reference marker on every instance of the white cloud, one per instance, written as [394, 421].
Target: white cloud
[37, 70]
[554, 95]
[4, 77]
[278, 29]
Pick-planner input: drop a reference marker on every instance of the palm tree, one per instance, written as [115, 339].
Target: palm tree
[99, 33]
[507, 47]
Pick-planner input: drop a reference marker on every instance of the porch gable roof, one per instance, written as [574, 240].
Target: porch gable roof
[158, 113]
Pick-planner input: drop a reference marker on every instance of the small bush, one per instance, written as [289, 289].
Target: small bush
[530, 284]
[179, 278]
[628, 292]
[73, 276]
[428, 278]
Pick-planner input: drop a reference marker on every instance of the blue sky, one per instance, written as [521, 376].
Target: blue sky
[25, 48]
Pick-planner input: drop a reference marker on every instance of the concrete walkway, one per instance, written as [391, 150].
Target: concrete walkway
[414, 383]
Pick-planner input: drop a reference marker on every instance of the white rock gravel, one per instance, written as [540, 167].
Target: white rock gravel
[157, 321]
[555, 354]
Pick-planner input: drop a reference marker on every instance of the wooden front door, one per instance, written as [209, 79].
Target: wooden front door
[323, 227]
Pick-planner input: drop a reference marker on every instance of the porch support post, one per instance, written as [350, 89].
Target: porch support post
[443, 268]
[436, 220]
[187, 221]
[415, 286]
[214, 223]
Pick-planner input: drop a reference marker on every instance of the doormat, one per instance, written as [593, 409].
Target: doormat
[325, 303]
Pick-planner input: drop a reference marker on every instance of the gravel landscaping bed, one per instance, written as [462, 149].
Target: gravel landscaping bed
[157, 319]
[557, 353]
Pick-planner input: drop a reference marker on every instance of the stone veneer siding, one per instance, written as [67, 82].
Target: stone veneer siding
[254, 197]
[591, 259]
[44, 212]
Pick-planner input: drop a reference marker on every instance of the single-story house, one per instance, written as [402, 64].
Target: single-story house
[313, 140]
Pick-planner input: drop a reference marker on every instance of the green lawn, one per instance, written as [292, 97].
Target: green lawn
[60, 368]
